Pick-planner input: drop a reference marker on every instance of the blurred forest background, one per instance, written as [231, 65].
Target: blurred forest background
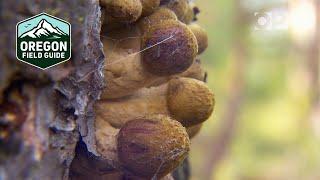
[263, 65]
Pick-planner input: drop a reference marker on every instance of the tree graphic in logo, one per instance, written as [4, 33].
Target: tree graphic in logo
[43, 41]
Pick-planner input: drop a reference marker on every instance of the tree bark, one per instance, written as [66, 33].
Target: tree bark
[56, 105]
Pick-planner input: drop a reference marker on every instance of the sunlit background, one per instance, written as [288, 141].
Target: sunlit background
[263, 65]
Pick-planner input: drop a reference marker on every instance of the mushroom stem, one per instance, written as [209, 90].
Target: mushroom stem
[106, 137]
[124, 71]
[146, 101]
[194, 130]
[187, 100]
[195, 72]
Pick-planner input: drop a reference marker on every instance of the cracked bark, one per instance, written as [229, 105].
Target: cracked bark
[60, 99]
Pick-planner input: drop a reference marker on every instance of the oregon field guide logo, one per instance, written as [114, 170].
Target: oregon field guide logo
[43, 41]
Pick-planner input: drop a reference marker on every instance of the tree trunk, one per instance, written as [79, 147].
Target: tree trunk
[229, 120]
[51, 109]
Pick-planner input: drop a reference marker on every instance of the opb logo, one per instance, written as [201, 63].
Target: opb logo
[271, 20]
[43, 41]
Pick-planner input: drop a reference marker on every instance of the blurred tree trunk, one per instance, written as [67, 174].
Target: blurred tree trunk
[313, 60]
[314, 74]
[231, 114]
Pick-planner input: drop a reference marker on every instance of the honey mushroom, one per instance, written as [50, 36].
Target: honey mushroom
[182, 8]
[154, 83]
[187, 100]
[165, 49]
[127, 11]
[138, 79]
[119, 12]
[201, 36]
[149, 6]
[147, 147]
[160, 15]
[195, 71]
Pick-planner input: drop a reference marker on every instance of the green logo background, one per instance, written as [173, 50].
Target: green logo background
[44, 28]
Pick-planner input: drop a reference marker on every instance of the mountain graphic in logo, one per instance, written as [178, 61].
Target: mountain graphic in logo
[44, 30]
[43, 41]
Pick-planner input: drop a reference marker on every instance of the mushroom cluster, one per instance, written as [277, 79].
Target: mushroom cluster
[156, 98]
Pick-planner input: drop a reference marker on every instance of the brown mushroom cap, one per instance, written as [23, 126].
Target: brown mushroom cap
[169, 48]
[152, 146]
[180, 7]
[125, 11]
[160, 15]
[189, 16]
[149, 6]
[190, 101]
[164, 13]
[201, 35]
